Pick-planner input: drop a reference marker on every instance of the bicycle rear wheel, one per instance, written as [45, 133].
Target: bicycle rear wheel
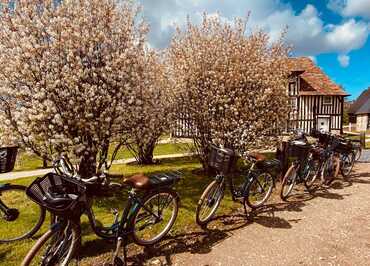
[20, 217]
[288, 183]
[346, 164]
[358, 152]
[209, 202]
[259, 190]
[155, 218]
[56, 247]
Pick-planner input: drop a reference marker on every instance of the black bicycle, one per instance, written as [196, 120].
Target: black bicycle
[304, 168]
[149, 213]
[258, 183]
[20, 218]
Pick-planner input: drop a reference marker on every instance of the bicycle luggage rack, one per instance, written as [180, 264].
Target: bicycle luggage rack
[222, 159]
[7, 158]
[60, 185]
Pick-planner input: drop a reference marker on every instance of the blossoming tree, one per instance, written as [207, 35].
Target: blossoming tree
[149, 116]
[67, 73]
[231, 85]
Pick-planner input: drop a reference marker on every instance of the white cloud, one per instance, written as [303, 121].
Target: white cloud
[307, 32]
[343, 60]
[348, 36]
[351, 8]
[313, 58]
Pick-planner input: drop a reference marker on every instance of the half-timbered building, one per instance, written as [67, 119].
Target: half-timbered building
[316, 101]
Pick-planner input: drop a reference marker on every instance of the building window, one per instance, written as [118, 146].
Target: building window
[293, 103]
[328, 100]
[292, 88]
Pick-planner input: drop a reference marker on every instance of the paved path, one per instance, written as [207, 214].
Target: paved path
[365, 156]
[333, 228]
[39, 172]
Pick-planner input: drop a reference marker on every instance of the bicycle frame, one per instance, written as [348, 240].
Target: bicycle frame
[248, 178]
[121, 227]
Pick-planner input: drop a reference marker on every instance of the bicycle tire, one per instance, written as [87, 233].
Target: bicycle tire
[358, 153]
[346, 172]
[27, 207]
[213, 185]
[329, 175]
[247, 201]
[52, 234]
[308, 183]
[133, 222]
[284, 183]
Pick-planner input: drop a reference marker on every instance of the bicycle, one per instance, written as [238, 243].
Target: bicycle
[20, 218]
[347, 155]
[343, 149]
[254, 192]
[148, 216]
[304, 168]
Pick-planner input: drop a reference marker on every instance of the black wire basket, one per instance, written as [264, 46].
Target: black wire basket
[57, 186]
[298, 150]
[222, 160]
[343, 147]
[8, 156]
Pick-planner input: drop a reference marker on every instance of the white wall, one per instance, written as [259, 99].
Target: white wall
[361, 122]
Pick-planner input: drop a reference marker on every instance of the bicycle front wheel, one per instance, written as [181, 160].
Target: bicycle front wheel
[56, 247]
[259, 190]
[155, 218]
[209, 202]
[288, 183]
[20, 217]
[311, 173]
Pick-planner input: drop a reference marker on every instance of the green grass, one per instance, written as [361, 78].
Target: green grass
[27, 161]
[189, 188]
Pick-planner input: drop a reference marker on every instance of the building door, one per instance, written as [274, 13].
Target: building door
[323, 124]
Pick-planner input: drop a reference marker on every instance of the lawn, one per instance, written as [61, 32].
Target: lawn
[27, 161]
[189, 188]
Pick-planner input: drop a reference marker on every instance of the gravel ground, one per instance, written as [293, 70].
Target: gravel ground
[330, 228]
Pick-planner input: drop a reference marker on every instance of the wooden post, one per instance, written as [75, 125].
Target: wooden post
[363, 139]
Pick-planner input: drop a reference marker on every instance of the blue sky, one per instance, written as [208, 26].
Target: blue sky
[335, 33]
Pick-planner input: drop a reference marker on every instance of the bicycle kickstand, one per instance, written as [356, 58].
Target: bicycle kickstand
[117, 261]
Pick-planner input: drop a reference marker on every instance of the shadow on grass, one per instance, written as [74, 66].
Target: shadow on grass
[4, 254]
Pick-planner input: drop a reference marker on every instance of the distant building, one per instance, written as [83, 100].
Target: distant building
[316, 100]
[359, 112]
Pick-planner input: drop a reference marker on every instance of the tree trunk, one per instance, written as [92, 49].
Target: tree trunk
[87, 167]
[145, 154]
[44, 163]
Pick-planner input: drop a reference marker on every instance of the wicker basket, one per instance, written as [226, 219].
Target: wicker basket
[221, 159]
[57, 185]
[8, 156]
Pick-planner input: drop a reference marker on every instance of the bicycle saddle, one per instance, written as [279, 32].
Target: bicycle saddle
[139, 181]
[257, 156]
